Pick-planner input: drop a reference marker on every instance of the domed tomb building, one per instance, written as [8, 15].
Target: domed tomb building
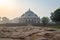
[29, 18]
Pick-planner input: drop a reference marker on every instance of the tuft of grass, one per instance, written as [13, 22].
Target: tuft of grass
[58, 27]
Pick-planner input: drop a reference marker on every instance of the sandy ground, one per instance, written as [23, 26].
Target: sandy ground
[29, 33]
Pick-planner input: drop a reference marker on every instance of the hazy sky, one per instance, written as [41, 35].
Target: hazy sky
[15, 8]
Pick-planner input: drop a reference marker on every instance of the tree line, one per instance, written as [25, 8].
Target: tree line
[55, 17]
[4, 20]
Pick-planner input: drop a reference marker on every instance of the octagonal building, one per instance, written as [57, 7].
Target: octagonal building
[29, 18]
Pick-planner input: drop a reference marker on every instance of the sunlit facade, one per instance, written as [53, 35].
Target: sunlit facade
[29, 18]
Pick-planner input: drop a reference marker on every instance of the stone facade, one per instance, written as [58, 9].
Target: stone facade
[29, 18]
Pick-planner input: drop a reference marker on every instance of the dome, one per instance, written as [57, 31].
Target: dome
[29, 14]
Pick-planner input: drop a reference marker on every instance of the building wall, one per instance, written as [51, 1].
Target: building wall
[28, 21]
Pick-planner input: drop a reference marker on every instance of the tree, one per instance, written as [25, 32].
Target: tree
[55, 16]
[45, 20]
[5, 20]
[0, 20]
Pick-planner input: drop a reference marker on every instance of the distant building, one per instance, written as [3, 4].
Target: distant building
[15, 20]
[29, 18]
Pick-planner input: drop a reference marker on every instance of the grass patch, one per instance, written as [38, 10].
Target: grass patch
[54, 27]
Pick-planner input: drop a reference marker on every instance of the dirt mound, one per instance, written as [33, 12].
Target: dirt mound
[29, 33]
